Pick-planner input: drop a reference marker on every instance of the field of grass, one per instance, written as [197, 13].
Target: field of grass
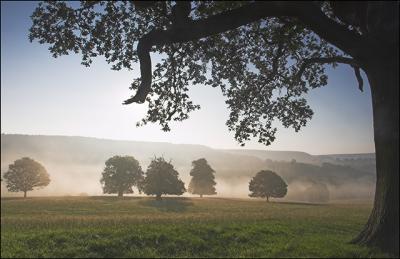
[178, 227]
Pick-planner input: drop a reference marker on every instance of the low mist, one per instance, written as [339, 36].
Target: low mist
[75, 165]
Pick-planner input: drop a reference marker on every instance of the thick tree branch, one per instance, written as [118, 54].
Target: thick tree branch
[326, 60]
[359, 78]
[180, 13]
[307, 12]
[143, 50]
[279, 54]
[140, 5]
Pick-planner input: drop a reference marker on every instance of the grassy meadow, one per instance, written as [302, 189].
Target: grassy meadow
[179, 227]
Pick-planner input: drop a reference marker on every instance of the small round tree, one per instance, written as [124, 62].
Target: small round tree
[202, 182]
[120, 174]
[162, 178]
[267, 184]
[24, 175]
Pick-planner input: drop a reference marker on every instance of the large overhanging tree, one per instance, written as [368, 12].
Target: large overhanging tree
[263, 55]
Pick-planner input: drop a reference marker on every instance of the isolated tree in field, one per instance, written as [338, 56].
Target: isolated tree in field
[120, 174]
[161, 178]
[267, 184]
[202, 182]
[264, 55]
[24, 175]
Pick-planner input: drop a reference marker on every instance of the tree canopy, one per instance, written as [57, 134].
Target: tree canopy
[267, 184]
[161, 178]
[202, 181]
[25, 174]
[120, 174]
[263, 67]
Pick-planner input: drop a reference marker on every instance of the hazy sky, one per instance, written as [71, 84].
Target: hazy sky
[47, 96]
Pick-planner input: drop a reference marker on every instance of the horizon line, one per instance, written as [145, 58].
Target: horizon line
[243, 148]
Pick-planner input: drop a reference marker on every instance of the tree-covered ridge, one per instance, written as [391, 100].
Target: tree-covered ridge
[332, 174]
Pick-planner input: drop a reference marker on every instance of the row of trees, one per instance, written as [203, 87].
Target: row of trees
[122, 173]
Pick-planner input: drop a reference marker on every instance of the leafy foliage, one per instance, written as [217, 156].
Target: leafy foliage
[267, 184]
[25, 174]
[162, 178]
[257, 66]
[120, 174]
[202, 178]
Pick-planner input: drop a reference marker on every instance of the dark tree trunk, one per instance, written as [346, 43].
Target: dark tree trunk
[24, 194]
[382, 228]
[267, 198]
[158, 197]
[201, 195]
[120, 193]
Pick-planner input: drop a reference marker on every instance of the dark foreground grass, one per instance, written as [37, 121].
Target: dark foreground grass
[179, 227]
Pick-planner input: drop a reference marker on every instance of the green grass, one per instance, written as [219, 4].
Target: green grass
[179, 227]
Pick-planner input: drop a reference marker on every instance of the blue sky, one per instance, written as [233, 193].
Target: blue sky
[43, 95]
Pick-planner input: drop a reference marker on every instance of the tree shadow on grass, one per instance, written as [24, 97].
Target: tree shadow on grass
[15, 198]
[301, 203]
[168, 204]
[113, 198]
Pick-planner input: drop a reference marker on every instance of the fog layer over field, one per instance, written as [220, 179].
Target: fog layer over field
[75, 165]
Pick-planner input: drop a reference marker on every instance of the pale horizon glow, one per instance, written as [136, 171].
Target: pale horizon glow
[41, 95]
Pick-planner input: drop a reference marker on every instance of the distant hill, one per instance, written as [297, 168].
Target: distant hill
[364, 162]
[302, 157]
[89, 151]
[75, 163]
